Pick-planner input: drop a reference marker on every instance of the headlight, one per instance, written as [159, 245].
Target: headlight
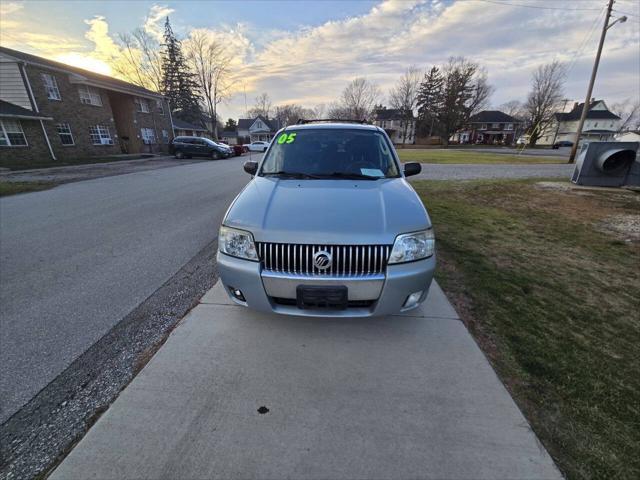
[412, 246]
[237, 243]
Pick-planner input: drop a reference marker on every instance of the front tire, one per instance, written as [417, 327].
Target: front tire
[179, 155]
[215, 155]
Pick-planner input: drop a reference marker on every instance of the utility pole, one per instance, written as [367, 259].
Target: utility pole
[587, 102]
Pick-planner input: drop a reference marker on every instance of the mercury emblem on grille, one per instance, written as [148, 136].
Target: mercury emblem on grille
[322, 259]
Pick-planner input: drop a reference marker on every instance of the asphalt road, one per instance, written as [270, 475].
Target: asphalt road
[529, 152]
[78, 258]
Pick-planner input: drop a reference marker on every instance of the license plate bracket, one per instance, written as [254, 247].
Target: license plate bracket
[316, 296]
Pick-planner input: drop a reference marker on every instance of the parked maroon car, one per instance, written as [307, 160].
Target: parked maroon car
[238, 150]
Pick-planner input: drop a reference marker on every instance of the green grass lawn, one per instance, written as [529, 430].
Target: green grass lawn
[11, 188]
[548, 282]
[463, 156]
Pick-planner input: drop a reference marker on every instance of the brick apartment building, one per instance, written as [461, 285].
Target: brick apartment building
[53, 111]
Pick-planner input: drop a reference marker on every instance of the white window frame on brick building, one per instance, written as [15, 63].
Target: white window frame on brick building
[142, 105]
[51, 86]
[159, 107]
[11, 134]
[148, 136]
[100, 135]
[89, 95]
[64, 132]
[165, 136]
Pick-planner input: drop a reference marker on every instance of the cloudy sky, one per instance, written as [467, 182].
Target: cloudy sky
[306, 51]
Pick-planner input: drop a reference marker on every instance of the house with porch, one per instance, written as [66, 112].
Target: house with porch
[601, 124]
[186, 129]
[401, 130]
[230, 137]
[50, 111]
[259, 129]
[490, 127]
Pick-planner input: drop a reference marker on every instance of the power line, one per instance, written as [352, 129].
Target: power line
[626, 13]
[585, 41]
[495, 2]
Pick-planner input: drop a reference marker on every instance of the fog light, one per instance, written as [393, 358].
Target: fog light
[413, 299]
[237, 293]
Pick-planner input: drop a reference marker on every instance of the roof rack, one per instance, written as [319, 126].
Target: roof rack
[303, 121]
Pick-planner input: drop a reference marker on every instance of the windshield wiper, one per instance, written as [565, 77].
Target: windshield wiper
[283, 174]
[350, 176]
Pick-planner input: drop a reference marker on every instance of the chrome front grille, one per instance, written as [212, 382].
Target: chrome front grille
[347, 260]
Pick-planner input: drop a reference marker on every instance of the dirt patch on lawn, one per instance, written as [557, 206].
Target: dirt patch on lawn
[624, 226]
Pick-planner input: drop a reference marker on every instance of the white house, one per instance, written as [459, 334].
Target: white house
[600, 125]
[393, 122]
[257, 129]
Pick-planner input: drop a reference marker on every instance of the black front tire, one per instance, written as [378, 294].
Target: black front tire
[215, 155]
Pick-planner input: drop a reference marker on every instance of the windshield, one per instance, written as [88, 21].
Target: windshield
[321, 153]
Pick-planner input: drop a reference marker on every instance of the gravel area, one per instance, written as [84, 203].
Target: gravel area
[37, 437]
[432, 171]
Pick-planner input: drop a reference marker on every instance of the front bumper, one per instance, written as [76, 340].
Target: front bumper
[371, 295]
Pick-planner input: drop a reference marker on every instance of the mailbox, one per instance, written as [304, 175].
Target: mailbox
[607, 164]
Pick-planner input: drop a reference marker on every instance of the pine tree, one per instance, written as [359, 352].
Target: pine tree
[178, 83]
[430, 101]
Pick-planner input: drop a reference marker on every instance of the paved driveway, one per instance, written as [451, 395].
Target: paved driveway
[78, 258]
[406, 396]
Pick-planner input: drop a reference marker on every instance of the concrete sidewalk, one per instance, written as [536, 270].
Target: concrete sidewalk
[406, 396]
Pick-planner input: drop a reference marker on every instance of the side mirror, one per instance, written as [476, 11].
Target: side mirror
[251, 167]
[412, 168]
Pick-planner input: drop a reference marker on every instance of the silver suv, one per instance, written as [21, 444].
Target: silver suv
[328, 226]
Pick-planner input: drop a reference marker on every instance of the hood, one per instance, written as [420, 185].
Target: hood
[327, 211]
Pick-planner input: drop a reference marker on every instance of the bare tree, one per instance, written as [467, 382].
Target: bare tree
[139, 60]
[210, 62]
[319, 110]
[262, 106]
[629, 113]
[404, 97]
[358, 99]
[481, 92]
[290, 114]
[337, 110]
[544, 98]
[513, 108]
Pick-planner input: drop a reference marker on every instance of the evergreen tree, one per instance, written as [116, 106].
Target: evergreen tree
[178, 82]
[430, 101]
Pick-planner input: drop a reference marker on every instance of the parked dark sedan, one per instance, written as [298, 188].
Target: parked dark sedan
[187, 147]
[562, 143]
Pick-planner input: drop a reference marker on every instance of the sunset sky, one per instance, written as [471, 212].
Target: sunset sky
[305, 52]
